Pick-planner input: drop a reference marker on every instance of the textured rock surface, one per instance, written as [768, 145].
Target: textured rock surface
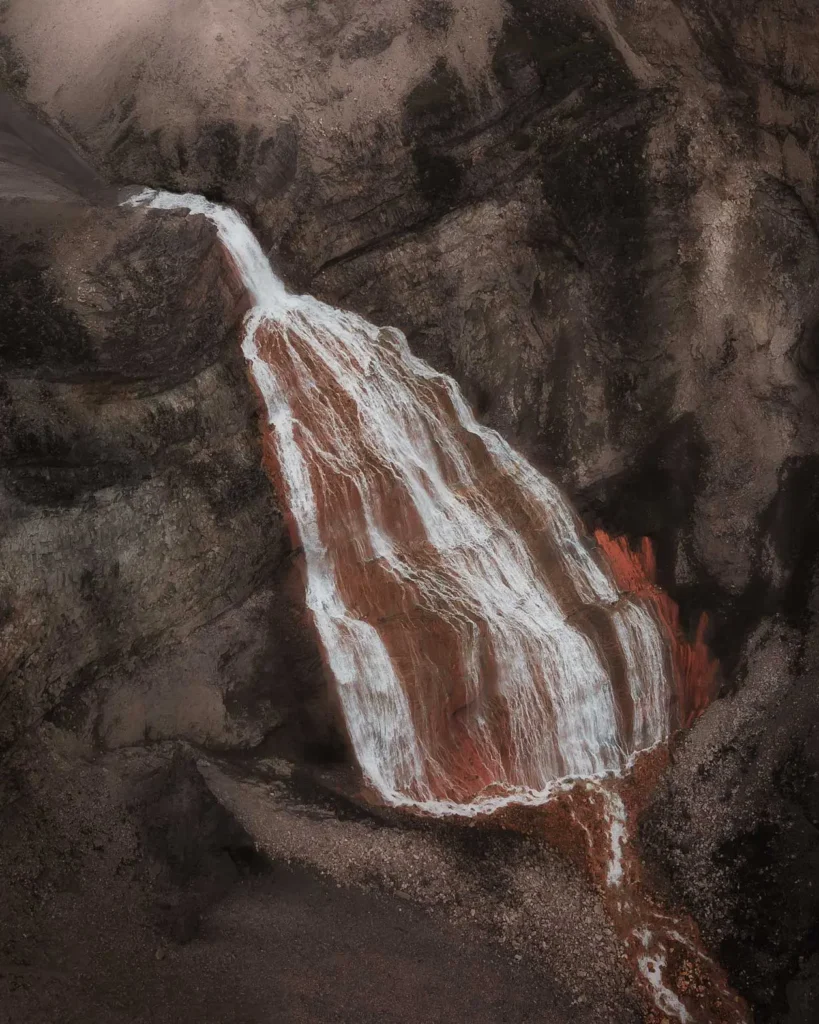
[601, 217]
[735, 826]
[143, 587]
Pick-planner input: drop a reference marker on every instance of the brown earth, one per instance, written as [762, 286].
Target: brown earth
[132, 893]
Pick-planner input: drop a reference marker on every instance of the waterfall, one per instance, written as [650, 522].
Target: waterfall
[480, 647]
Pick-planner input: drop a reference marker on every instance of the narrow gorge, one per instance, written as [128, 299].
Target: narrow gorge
[458, 670]
[477, 644]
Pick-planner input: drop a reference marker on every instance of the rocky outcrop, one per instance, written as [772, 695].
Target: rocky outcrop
[601, 217]
[143, 588]
[735, 824]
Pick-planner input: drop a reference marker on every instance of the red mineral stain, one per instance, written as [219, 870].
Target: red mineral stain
[695, 671]
[474, 643]
[479, 650]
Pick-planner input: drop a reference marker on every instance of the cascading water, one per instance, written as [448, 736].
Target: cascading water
[481, 649]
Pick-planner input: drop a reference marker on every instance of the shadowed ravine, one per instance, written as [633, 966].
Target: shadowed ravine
[479, 643]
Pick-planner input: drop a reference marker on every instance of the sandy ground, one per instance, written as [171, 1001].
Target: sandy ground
[281, 948]
[131, 895]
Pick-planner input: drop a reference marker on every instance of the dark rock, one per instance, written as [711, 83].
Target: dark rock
[602, 219]
[435, 15]
[201, 849]
[736, 828]
[145, 560]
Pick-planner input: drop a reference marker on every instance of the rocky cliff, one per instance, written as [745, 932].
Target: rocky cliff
[599, 216]
[145, 562]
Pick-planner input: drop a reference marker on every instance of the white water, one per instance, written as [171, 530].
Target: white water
[477, 575]
[652, 968]
[616, 816]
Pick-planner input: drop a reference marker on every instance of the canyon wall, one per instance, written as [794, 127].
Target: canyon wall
[144, 584]
[600, 217]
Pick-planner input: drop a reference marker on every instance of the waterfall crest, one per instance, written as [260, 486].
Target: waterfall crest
[479, 644]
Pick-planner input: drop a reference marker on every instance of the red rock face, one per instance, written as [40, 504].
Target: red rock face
[483, 648]
[447, 548]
